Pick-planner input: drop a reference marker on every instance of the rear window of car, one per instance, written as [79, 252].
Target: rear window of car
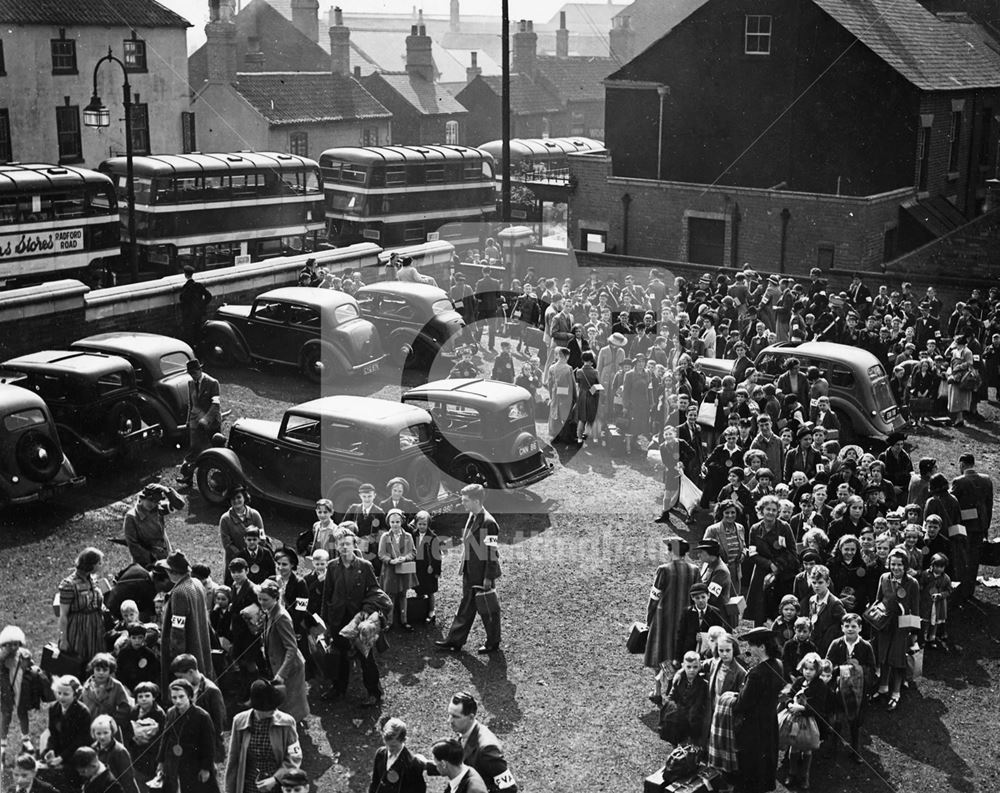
[303, 429]
[414, 436]
[345, 312]
[875, 372]
[173, 363]
[23, 419]
[345, 439]
[442, 306]
[518, 411]
[113, 381]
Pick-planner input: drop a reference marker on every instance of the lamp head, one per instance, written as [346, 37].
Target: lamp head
[96, 114]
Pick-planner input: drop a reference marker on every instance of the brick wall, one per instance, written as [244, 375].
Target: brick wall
[969, 253]
[659, 215]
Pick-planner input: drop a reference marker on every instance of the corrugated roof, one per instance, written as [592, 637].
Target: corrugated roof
[429, 98]
[526, 97]
[932, 54]
[117, 13]
[576, 78]
[305, 97]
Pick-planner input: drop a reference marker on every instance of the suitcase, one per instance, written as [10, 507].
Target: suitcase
[56, 664]
[654, 783]
[636, 642]
[615, 441]
[417, 609]
[990, 556]
[532, 337]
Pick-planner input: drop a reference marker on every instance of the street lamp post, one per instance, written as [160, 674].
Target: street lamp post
[96, 114]
[664, 92]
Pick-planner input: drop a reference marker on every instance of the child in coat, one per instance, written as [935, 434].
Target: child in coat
[784, 625]
[103, 693]
[853, 660]
[428, 550]
[137, 663]
[683, 713]
[798, 648]
[809, 695]
[935, 589]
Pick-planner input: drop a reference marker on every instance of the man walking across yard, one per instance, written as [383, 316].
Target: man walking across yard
[204, 416]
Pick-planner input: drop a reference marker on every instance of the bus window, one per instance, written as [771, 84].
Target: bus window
[453, 173]
[8, 213]
[395, 176]
[163, 190]
[216, 188]
[244, 185]
[187, 189]
[354, 174]
[414, 233]
[415, 174]
[472, 172]
[347, 202]
[488, 169]
[435, 174]
[331, 173]
[310, 181]
[143, 189]
[69, 205]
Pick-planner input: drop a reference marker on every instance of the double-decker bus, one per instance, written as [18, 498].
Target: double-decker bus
[216, 210]
[56, 222]
[542, 158]
[405, 195]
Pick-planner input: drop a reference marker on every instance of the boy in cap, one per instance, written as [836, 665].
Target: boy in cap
[695, 622]
[503, 365]
[371, 524]
[258, 559]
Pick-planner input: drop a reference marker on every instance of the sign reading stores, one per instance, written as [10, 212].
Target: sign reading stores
[18, 246]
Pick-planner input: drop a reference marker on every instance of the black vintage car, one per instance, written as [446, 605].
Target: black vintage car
[484, 432]
[93, 399]
[414, 320]
[320, 331]
[32, 463]
[160, 364]
[326, 448]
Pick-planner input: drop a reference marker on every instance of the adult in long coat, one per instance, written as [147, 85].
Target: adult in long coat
[282, 752]
[288, 666]
[635, 397]
[233, 526]
[608, 360]
[974, 492]
[668, 600]
[562, 390]
[185, 619]
[756, 715]
[187, 749]
[771, 549]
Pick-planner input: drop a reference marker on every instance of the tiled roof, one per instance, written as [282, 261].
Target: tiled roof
[116, 13]
[305, 97]
[577, 78]
[526, 96]
[931, 54]
[429, 98]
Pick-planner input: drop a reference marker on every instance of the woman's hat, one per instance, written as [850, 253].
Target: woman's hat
[177, 563]
[617, 340]
[266, 696]
[239, 490]
[11, 634]
[757, 636]
[895, 437]
[293, 558]
[710, 546]
[398, 480]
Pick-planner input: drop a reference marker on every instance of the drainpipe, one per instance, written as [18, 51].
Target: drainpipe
[663, 91]
[626, 201]
[734, 248]
[785, 217]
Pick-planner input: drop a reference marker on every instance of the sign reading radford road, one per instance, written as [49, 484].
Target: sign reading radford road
[19, 246]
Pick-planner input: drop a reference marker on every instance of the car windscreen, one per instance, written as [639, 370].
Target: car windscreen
[302, 429]
[23, 419]
[345, 312]
[173, 363]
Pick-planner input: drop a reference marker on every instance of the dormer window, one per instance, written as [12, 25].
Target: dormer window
[757, 37]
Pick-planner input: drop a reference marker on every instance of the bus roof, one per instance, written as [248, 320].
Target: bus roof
[33, 177]
[368, 155]
[537, 147]
[218, 163]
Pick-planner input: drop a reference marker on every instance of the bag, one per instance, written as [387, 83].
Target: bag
[56, 663]
[417, 609]
[797, 731]
[970, 380]
[533, 337]
[876, 615]
[915, 663]
[405, 568]
[488, 603]
[681, 762]
[673, 722]
[707, 413]
[636, 642]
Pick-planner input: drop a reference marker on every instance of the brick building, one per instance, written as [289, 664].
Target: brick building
[794, 133]
[423, 111]
[48, 50]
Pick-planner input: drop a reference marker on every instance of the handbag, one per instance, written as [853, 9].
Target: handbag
[487, 603]
[877, 615]
[405, 568]
[970, 380]
[797, 731]
[707, 413]
[56, 663]
[909, 622]
[637, 636]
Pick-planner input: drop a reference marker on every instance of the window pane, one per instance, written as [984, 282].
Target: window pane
[135, 55]
[63, 56]
[68, 133]
[6, 149]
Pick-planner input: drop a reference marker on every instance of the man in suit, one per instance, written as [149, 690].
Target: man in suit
[974, 492]
[95, 775]
[448, 762]
[690, 432]
[246, 645]
[204, 416]
[480, 748]
[371, 524]
[395, 769]
[398, 488]
[487, 304]
[480, 570]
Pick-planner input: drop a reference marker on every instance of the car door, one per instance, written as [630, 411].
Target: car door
[298, 456]
[266, 329]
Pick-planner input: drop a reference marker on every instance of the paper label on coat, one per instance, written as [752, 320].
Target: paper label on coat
[970, 514]
[957, 530]
[178, 621]
[295, 751]
[490, 540]
[562, 391]
[504, 781]
[301, 604]
[715, 589]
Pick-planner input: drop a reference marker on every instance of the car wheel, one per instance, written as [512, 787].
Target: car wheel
[473, 472]
[219, 351]
[123, 419]
[215, 482]
[424, 479]
[342, 498]
[38, 456]
[402, 352]
[321, 371]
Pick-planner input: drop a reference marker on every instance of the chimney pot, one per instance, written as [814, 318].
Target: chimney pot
[338, 16]
[357, 72]
[562, 20]
[475, 59]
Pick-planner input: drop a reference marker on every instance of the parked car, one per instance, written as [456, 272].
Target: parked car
[859, 384]
[32, 464]
[160, 364]
[485, 432]
[325, 448]
[93, 399]
[414, 321]
[320, 331]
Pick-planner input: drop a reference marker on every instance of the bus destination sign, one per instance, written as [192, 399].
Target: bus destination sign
[40, 243]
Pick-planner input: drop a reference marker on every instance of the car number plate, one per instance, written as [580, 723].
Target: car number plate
[370, 369]
[528, 448]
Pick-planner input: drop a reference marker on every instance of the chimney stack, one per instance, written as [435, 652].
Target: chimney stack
[340, 45]
[622, 40]
[525, 47]
[562, 37]
[419, 55]
[253, 60]
[455, 23]
[305, 17]
[220, 46]
[473, 71]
